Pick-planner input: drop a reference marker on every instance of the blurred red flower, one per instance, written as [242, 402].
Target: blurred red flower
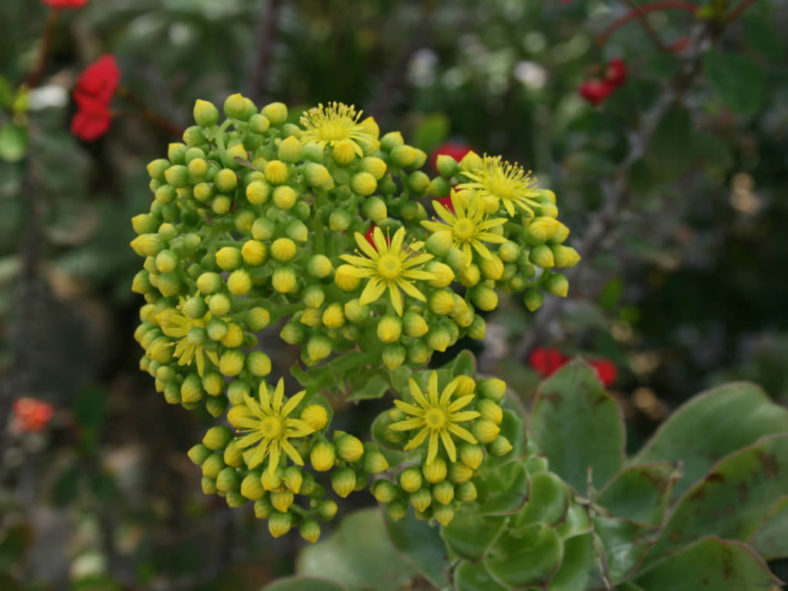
[65, 3]
[595, 90]
[605, 370]
[616, 73]
[454, 149]
[31, 415]
[93, 93]
[546, 361]
[446, 202]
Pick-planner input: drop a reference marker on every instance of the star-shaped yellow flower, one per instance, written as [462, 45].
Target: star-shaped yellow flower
[437, 417]
[327, 125]
[190, 345]
[467, 224]
[507, 182]
[388, 266]
[266, 426]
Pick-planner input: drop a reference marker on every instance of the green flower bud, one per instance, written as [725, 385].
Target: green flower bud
[374, 166]
[561, 234]
[533, 299]
[391, 140]
[397, 510]
[443, 514]
[389, 329]
[446, 165]
[285, 197]
[439, 339]
[343, 481]
[284, 280]
[218, 437]
[208, 485]
[421, 499]
[235, 107]
[383, 491]
[310, 530]
[231, 363]
[403, 156]
[374, 461]
[348, 447]
[227, 480]
[233, 454]
[258, 363]
[258, 192]
[219, 304]
[263, 229]
[276, 172]
[279, 523]
[542, 256]
[541, 229]
[484, 298]
[557, 285]
[471, 161]
[191, 391]
[490, 410]
[319, 266]
[460, 473]
[374, 209]
[418, 182]
[410, 479]
[281, 500]
[293, 479]
[443, 492]
[466, 492]
[234, 499]
[326, 509]
[485, 431]
[318, 348]
[205, 113]
[289, 149]
[147, 245]
[418, 353]
[271, 481]
[212, 465]
[501, 446]
[258, 123]
[292, 333]
[471, 455]
[435, 471]
[442, 301]
[565, 256]
[263, 508]
[323, 456]
[393, 356]
[236, 392]
[283, 249]
[276, 113]
[198, 453]
[316, 175]
[157, 168]
[141, 283]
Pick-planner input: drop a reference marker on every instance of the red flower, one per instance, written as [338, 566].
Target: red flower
[546, 361]
[616, 73]
[595, 90]
[453, 149]
[93, 93]
[606, 371]
[31, 415]
[65, 3]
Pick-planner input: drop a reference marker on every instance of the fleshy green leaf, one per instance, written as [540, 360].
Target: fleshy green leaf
[375, 387]
[641, 493]
[547, 501]
[503, 489]
[13, 142]
[711, 426]
[576, 566]
[526, 556]
[359, 555]
[422, 545]
[710, 565]
[464, 364]
[485, 529]
[474, 577]
[304, 584]
[738, 80]
[733, 500]
[771, 539]
[625, 544]
[578, 426]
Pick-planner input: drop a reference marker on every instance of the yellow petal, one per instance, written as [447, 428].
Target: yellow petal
[372, 291]
[449, 445]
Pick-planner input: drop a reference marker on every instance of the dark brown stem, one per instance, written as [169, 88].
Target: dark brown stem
[736, 12]
[650, 31]
[616, 189]
[266, 33]
[639, 12]
[148, 113]
[46, 44]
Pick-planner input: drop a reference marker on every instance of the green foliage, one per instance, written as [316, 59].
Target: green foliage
[537, 524]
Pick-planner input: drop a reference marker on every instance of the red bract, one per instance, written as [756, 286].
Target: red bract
[454, 149]
[546, 361]
[595, 91]
[605, 370]
[31, 415]
[65, 3]
[616, 73]
[91, 121]
[93, 93]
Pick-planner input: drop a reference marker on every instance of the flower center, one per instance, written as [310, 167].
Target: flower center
[435, 419]
[389, 266]
[271, 427]
[464, 229]
[502, 187]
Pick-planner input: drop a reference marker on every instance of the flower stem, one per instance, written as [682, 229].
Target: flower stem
[148, 113]
[37, 72]
[640, 12]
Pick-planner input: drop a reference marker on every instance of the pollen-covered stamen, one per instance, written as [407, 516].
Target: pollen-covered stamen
[464, 229]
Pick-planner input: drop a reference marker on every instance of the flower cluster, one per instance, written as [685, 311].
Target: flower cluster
[93, 94]
[320, 224]
[598, 89]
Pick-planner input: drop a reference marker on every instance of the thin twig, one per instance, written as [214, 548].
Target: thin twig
[736, 12]
[650, 31]
[616, 190]
[43, 55]
[266, 33]
[640, 12]
[148, 113]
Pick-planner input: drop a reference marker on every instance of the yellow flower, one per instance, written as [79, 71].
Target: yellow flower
[467, 225]
[502, 180]
[266, 426]
[388, 265]
[190, 344]
[437, 417]
[329, 125]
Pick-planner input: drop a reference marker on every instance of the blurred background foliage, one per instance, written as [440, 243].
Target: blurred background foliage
[686, 287]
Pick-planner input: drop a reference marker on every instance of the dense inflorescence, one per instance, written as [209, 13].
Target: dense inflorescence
[322, 227]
